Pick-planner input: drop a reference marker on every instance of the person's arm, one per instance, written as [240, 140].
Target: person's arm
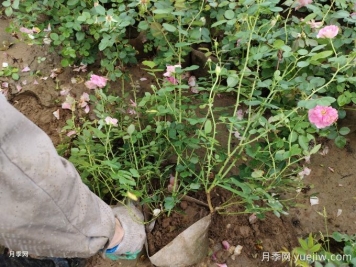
[45, 208]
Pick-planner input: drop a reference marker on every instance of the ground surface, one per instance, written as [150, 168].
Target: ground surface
[332, 178]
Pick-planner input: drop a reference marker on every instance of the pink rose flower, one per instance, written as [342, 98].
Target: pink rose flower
[322, 117]
[328, 32]
[96, 81]
[172, 80]
[302, 3]
[171, 70]
[111, 121]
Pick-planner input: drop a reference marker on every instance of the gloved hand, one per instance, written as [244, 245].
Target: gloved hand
[132, 221]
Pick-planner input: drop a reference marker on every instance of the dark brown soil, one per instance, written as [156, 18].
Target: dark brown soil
[167, 228]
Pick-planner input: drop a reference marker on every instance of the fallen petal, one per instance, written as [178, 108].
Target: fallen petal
[194, 89]
[26, 69]
[87, 109]
[56, 114]
[25, 30]
[339, 211]
[64, 92]
[48, 28]
[221, 265]
[70, 133]
[314, 201]
[225, 244]
[238, 250]
[252, 219]
[213, 257]
[156, 212]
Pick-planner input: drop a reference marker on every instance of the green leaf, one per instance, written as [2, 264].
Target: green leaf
[207, 126]
[257, 173]
[134, 173]
[182, 44]
[309, 17]
[194, 160]
[100, 10]
[8, 11]
[72, 2]
[321, 55]
[340, 141]
[278, 44]
[276, 9]
[218, 23]
[6, 3]
[163, 11]
[303, 142]
[80, 36]
[294, 150]
[302, 64]
[54, 36]
[131, 129]
[169, 27]
[192, 67]
[303, 243]
[308, 104]
[337, 236]
[293, 136]
[15, 76]
[149, 64]
[169, 203]
[143, 25]
[315, 149]
[277, 75]
[65, 62]
[232, 81]
[15, 4]
[156, 29]
[342, 113]
[194, 186]
[344, 130]
[325, 101]
[343, 100]
[341, 14]
[315, 248]
[229, 14]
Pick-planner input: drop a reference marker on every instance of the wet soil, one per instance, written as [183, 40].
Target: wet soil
[332, 178]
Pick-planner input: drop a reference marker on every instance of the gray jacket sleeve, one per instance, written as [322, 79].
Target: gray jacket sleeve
[45, 209]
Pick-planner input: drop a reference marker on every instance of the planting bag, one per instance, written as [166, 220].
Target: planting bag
[188, 248]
